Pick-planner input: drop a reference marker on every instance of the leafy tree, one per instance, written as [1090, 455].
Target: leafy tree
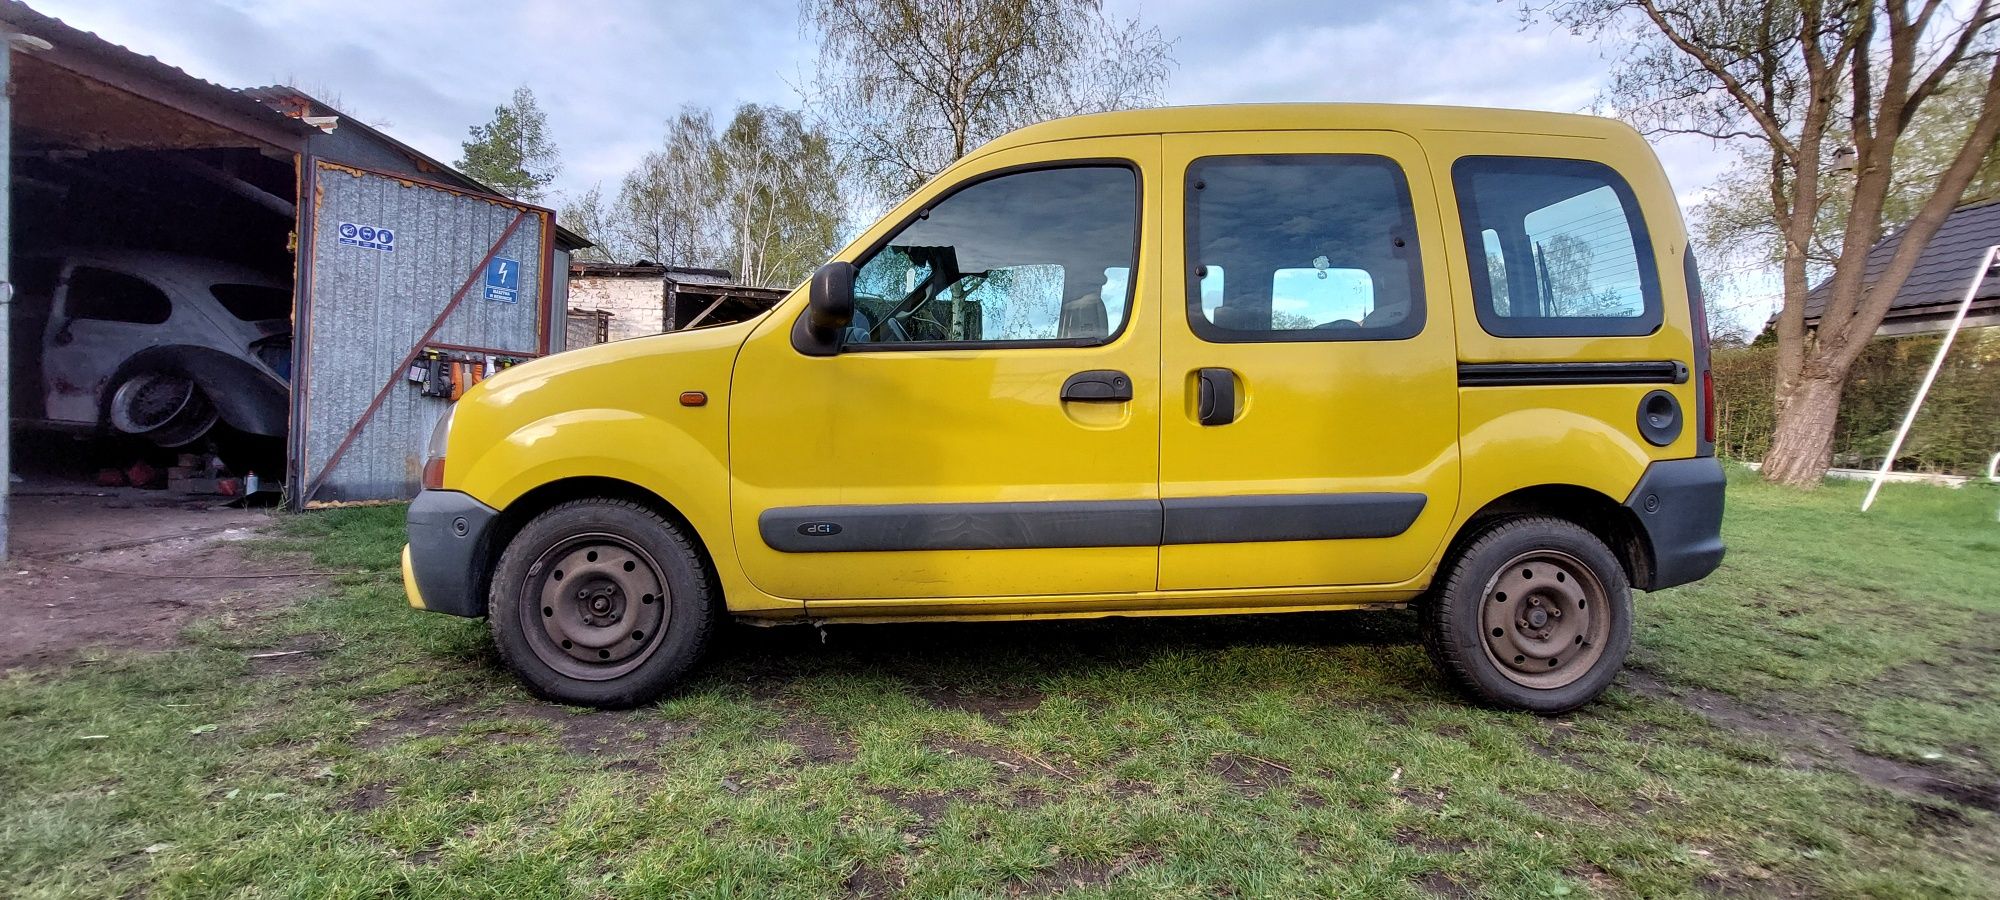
[909, 86]
[666, 208]
[781, 195]
[512, 153]
[586, 215]
[1796, 84]
[760, 198]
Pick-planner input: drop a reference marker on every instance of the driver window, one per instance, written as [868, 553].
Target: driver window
[1316, 248]
[1039, 256]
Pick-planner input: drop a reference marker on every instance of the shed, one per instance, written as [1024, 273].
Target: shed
[615, 301]
[389, 257]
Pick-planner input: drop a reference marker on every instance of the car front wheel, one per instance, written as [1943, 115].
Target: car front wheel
[1534, 613]
[602, 603]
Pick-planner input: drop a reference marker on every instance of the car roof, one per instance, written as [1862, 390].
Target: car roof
[168, 265]
[1312, 117]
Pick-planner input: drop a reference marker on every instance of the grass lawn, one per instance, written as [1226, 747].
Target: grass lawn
[1819, 719]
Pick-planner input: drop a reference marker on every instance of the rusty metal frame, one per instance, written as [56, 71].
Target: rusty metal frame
[397, 375]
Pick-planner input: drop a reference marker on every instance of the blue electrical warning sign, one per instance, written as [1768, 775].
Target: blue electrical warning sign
[503, 280]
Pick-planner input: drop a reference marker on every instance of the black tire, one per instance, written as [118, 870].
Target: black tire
[1551, 650]
[591, 642]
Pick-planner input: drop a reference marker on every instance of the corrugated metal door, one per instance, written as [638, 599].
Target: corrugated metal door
[398, 265]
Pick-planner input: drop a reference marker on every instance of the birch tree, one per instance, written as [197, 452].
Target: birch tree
[906, 87]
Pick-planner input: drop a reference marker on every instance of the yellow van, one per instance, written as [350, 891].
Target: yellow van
[1244, 359]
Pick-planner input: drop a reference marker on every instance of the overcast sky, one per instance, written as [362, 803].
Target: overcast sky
[609, 72]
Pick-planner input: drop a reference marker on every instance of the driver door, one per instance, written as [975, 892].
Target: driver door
[990, 425]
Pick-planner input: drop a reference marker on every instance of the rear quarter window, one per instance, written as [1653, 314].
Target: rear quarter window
[253, 302]
[1558, 247]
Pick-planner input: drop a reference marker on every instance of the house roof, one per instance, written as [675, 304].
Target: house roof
[1943, 268]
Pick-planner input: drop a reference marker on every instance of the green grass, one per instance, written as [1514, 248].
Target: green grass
[1257, 756]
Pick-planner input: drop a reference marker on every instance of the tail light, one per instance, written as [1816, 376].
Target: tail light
[1707, 406]
[1698, 311]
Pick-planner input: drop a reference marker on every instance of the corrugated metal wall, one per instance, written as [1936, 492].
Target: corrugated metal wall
[368, 307]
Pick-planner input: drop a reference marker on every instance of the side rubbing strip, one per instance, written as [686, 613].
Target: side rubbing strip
[1513, 374]
[1289, 517]
[1088, 523]
[962, 526]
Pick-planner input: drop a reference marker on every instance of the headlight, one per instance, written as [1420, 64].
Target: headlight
[434, 452]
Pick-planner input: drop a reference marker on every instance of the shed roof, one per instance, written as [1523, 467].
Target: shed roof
[1940, 276]
[645, 269]
[137, 75]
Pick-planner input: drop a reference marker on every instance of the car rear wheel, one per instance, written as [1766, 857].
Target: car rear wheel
[601, 603]
[168, 409]
[1534, 613]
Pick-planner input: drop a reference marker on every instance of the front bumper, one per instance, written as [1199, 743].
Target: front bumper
[446, 563]
[1678, 506]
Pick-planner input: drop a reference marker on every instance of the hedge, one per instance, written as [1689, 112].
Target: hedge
[1957, 431]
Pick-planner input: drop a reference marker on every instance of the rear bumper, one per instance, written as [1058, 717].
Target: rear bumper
[445, 563]
[1678, 507]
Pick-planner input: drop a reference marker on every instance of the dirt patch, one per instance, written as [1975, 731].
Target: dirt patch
[994, 708]
[819, 743]
[599, 732]
[1248, 774]
[56, 603]
[1424, 843]
[391, 722]
[869, 881]
[1070, 873]
[1438, 884]
[1824, 739]
[368, 797]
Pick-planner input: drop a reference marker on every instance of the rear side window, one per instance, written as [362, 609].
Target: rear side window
[1302, 248]
[108, 296]
[253, 302]
[1558, 248]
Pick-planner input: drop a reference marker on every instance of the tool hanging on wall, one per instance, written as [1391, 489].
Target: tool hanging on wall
[449, 374]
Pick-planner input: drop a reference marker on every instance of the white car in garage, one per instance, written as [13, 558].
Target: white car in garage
[155, 345]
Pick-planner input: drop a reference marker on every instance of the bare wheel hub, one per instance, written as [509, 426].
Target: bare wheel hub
[1545, 619]
[602, 604]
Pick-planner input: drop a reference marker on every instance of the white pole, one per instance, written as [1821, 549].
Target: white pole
[1957, 321]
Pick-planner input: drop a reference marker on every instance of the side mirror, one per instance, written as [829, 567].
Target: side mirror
[829, 310]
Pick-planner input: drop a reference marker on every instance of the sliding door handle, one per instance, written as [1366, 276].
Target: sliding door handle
[1098, 386]
[1216, 401]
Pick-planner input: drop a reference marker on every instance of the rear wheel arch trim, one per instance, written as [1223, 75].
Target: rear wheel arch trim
[1602, 515]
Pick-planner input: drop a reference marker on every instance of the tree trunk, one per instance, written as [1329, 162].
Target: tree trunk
[1802, 445]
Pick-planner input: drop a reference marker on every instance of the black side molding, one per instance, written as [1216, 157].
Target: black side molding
[961, 526]
[1088, 523]
[1289, 517]
[1523, 374]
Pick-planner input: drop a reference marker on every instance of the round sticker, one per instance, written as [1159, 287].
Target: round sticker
[347, 229]
[384, 236]
[368, 232]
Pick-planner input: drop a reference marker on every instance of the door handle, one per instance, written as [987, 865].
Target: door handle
[1216, 401]
[1097, 386]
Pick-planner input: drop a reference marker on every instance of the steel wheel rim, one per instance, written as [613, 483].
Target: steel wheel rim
[599, 602]
[1544, 619]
